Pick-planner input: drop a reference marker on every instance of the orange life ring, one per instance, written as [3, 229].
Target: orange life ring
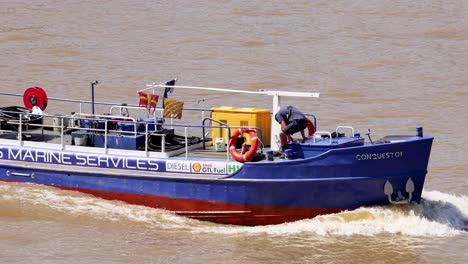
[242, 157]
[310, 127]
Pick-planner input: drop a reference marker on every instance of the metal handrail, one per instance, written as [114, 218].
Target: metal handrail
[323, 133]
[106, 131]
[103, 103]
[120, 107]
[222, 125]
[345, 127]
[216, 121]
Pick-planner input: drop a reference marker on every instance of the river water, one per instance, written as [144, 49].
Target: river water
[387, 66]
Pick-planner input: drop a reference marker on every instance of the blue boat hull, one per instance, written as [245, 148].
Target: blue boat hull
[258, 193]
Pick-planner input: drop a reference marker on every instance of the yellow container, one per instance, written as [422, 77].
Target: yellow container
[250, 117]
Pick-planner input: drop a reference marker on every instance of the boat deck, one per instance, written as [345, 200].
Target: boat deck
[151, 137]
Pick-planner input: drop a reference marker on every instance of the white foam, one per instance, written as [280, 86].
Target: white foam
[77, 204]
[439, 214]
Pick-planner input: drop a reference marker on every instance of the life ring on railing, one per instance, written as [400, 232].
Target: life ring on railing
[35, 96]
[310, 127]
[242, 157]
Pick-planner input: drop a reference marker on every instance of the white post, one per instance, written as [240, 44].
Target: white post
[62, 140]
[186, 144]
[275, 126]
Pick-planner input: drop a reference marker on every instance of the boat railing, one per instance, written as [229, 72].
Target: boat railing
[63, 125]
[329, 135]
[82, 103]
[320, 133]
[338, 128]
[123, 110]
[222, 124]
[65, 122]
[125, 107]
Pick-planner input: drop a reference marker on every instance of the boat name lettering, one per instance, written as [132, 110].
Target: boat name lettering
[380, 156]
[79, 159]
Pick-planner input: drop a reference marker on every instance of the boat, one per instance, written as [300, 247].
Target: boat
[221, 166]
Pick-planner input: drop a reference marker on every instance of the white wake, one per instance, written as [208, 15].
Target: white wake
[438, 214]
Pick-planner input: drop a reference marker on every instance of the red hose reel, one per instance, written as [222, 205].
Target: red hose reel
[35, 96]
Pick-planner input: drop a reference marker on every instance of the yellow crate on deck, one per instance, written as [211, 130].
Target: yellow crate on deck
[250, 117]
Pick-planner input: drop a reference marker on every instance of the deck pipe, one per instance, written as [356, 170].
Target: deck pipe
[92, 95]
[419, 131]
